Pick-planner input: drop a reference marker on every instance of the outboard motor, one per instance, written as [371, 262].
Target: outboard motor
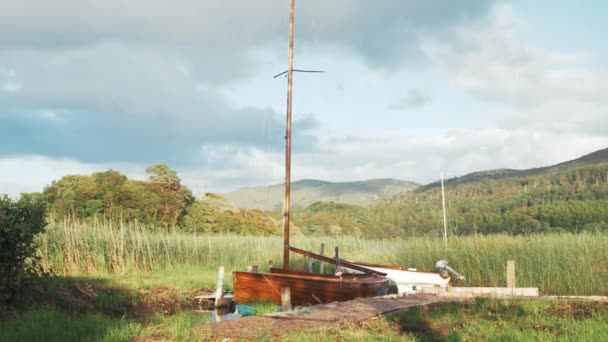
[442, 266]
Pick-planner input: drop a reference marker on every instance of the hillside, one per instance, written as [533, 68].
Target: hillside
[596, 157]
[307, 191]
[571, 196]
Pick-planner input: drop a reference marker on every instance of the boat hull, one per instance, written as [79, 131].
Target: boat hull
[305, 288]
[409, 279]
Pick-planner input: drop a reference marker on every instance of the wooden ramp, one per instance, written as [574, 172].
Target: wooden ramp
[315, 317]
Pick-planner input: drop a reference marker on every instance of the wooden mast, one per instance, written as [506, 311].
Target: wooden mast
[286, 212]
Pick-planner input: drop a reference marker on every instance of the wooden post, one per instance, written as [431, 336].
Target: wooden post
[321, 264]
[254, 268]
[285, 299]
[309, 264]
[219, 286]
[510, 273]
[269, 264]
[337, 257]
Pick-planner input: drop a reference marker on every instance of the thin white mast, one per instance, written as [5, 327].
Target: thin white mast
[445, 225]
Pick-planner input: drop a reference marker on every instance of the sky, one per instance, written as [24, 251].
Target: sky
[410, 89]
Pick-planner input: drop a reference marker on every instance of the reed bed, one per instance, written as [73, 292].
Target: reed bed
[556, 264]
[91, 248]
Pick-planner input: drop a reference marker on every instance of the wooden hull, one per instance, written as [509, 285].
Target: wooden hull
[407, 279]
[306, 288]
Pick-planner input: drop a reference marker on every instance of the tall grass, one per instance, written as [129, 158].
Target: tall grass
[575, 264]
[556, 264]
[79, 248]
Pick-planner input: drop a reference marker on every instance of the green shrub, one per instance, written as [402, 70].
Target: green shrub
[20, 222]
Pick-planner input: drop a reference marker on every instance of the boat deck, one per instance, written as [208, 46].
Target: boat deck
[322, 316]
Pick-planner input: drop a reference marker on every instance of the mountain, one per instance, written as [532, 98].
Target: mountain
[597, 157]
[567, 197]
[307, 191]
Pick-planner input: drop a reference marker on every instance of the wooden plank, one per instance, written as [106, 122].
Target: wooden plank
[581, 298]
[219, 288]
[286, 299]
[482, 292]
[315, 317]
[355, 310]
[309, 264]
[321, 263]
[333, 261]
[511, 273]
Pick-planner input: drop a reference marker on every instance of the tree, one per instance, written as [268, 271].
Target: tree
[173, 197]
[20, 222]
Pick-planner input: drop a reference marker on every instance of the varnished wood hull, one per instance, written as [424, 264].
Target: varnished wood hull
[306, 288]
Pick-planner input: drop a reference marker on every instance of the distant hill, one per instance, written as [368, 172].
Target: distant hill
[567, 197]
[596, 157]
[307, 191]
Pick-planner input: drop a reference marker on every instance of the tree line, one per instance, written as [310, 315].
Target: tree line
[573, 199]
[160, 201]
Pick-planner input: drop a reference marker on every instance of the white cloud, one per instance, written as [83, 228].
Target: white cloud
[415, 97]
[162, 64]
[417, 158]
[536, 87]
[33, 173]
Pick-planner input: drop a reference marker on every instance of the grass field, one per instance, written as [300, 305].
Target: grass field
[124, 283]
[563, 264]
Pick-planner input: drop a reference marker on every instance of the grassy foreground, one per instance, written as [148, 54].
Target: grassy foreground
[125, 283]
[484, 320]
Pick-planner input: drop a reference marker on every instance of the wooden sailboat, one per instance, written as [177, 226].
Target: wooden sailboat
[305, 288]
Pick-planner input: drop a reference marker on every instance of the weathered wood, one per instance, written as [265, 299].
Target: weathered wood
[511, 273]
[315, 317]
[321, 263]
[309, 264]
[337, 258]
[334, 261]
[306, 288]
[482, 292]
[219, 286]
[579, 298]
[286, 299]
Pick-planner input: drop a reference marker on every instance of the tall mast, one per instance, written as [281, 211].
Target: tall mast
[445, 224]
[286, 212]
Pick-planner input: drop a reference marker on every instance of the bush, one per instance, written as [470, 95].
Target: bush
[20, 222]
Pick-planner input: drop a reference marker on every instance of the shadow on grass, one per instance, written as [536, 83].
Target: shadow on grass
[90, 308]
[100, 295]
[415, 321]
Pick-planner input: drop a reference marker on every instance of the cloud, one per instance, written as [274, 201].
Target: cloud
[33, 173]
[381, 32]
[87, 87]
[419, 158]
[111, 81]
[414, 98]
[106, 103]
[535, 87]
